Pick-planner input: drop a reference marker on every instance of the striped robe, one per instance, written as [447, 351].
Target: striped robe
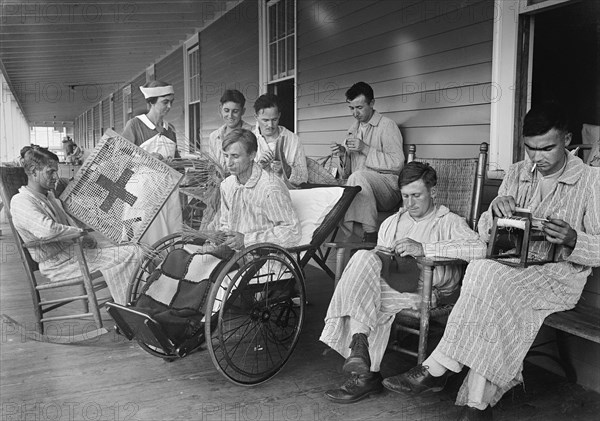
[364, 296]
[501, 308]
[40, 218]
[261, 209]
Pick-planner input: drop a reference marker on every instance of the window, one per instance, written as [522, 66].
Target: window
[192, 94]
[111, 112]
[101, 118]
[281, 17]
[89, 139]
[127, 104]
[278, 52]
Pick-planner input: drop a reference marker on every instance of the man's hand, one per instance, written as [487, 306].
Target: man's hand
[408, 247]
[234, 240]
[266, 159]
[157, 156]
[354, 144]
[503, 206]
[560, 232]
[337, 149]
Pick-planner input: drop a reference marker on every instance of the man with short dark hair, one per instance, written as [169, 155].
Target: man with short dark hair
[38, 215]
[371, 157]
[363, 306]
[501, 307]
[255, 206]
[279, 149]
[231, 109]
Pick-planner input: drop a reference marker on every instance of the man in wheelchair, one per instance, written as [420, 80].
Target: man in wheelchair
[364, 304]
[255, 208]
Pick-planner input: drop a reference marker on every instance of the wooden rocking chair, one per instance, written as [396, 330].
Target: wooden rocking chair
[12, 178]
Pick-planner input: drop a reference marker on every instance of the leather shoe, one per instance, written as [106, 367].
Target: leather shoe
[416, 380]
[357, 387]
[468, 413]
[359, 361]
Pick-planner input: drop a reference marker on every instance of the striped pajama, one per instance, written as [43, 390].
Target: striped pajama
[362, 296]
[261, 209]
[117, 264]
[42, 217]
[501, 308]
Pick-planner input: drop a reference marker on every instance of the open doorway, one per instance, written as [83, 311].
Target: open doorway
[564, 62]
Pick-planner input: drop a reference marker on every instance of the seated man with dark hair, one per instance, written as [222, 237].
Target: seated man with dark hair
[501, 308]
[363, 306]
[371, 157]
[39, 215]
[279, 150]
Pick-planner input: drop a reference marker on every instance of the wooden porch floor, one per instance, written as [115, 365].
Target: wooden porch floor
[109, 378]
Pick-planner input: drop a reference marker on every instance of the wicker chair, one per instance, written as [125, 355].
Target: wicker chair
[459, 188]
[12, 178]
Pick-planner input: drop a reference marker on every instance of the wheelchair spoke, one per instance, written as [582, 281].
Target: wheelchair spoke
[258, 324]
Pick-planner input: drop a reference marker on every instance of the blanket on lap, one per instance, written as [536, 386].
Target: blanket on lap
[176, 292]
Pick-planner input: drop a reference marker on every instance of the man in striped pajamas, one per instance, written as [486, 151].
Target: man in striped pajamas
[363, 306]
[38, 215]
[255, 204]
[501, 308]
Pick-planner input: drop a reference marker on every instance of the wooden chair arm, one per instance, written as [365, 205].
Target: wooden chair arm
[66, 237]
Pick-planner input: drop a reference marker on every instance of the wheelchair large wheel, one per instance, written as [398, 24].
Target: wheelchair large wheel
[152, 258]
[259, 298]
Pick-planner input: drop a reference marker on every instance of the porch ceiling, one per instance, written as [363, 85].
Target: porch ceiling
[60, 57]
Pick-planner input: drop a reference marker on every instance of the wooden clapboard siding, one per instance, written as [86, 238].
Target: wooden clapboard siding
[228, 60]
[429, 64]
[170, 69]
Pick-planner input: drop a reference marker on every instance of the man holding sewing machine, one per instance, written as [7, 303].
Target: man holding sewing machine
[501, 308]
[365, 301]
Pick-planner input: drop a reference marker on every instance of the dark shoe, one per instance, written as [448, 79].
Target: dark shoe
[416, 380]
[357, 387]
[359, 361]
[473, 414]
[369, 237]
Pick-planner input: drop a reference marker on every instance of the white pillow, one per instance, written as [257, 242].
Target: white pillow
[311, 206]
